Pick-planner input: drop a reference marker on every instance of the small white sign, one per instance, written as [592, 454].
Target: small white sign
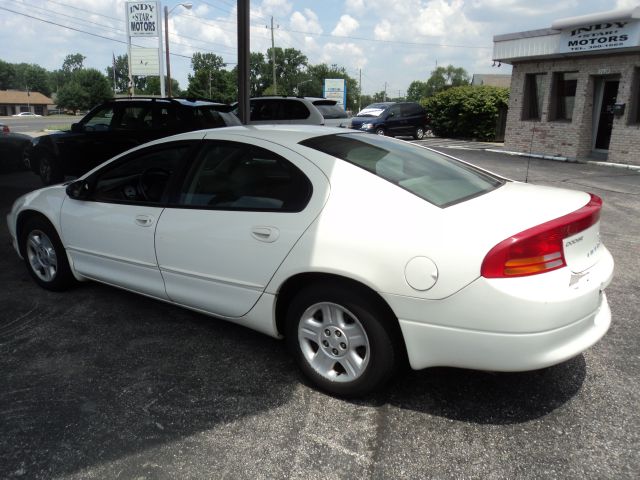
[144, 61]
[600, 36]
[143, 18]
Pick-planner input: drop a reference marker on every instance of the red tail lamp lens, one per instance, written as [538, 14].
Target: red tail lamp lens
[539, 249]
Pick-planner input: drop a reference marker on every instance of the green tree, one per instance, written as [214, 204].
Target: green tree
[7, 76]
[73, 63]
[466, 112]
[258, 81]
[121, 73]
[95, 86]
[417, 91]
[31, 77]
[446, 77]
[210, 79]
[71, 96]
[290, 69]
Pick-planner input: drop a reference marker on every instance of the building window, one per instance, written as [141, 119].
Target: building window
[564, 95]
[534, 90]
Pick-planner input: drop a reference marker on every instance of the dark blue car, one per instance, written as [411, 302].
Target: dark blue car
[393, 119]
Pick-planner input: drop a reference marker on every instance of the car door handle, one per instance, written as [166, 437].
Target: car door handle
[265, 234]
[144, 220]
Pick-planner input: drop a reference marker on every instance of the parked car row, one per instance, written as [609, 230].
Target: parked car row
[120, 124]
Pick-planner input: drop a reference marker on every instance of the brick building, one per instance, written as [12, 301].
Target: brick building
[575, 87]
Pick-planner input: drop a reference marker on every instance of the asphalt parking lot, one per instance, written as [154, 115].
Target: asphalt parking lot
[100, 383]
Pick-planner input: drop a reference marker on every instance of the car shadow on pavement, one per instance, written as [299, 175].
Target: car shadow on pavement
[488, 397]
[97, 374]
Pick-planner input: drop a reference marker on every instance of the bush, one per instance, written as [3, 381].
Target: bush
[466, 112]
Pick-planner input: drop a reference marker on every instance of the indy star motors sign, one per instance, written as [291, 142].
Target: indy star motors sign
[601, 36]
[142, 18]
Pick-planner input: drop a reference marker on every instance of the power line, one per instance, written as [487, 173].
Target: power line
[78, 30]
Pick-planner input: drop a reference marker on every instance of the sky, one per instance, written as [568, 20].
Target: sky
[390, 42]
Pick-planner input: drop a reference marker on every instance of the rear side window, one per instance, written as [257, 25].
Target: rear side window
[411, 109]
[202, 117]
[435, 178]
[264, 110]
[330, 110]
[294, 110]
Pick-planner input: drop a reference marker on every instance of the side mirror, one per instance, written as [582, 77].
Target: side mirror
[76, 128]
[79, 190]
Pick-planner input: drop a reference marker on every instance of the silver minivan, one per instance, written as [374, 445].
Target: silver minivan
[298, 110]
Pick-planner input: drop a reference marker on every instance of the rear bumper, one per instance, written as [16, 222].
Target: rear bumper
[434, 345]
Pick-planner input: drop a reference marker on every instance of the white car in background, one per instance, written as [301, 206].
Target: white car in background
[362, 251]
[26, 114]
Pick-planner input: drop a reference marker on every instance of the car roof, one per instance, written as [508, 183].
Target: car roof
[285, 134]
[290, 97]
[191, 102]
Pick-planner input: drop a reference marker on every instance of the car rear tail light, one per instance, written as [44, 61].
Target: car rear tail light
[539, 249]
[5, 129]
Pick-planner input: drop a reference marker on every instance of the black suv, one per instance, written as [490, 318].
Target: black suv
[391, 118]
[116, 126]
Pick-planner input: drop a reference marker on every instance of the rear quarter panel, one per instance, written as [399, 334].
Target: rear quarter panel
[370, 229]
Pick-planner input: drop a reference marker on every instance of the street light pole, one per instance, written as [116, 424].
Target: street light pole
[188, 6]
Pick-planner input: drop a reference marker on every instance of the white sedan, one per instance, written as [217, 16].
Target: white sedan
[363, 252]
[26, 114]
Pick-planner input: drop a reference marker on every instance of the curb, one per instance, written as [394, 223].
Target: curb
[556, 158]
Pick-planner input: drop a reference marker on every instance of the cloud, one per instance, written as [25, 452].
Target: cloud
[626, 4]
[305, 22]
[346, 26]
[357, 7]
[382, 31]
[276, 7]
[348, 55]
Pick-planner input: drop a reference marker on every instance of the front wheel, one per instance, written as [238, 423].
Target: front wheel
[44, 255]
[380, 131]
[341, 341]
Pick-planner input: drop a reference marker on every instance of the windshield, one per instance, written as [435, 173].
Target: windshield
[438, 179]
[373, 110]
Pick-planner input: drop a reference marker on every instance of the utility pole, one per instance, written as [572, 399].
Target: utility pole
[273, 59]
[384, 97]
[360, 92]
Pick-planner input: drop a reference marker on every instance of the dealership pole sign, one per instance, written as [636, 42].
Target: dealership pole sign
[600, 36]
[144, 22]
[336, 89]
[143, 19]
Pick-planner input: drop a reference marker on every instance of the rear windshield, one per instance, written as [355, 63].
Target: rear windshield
[431, 176]
[331, 110]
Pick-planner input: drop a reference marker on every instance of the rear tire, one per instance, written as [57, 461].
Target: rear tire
[341, 341]
[418, 134]
[49, 169]
[44, 255]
